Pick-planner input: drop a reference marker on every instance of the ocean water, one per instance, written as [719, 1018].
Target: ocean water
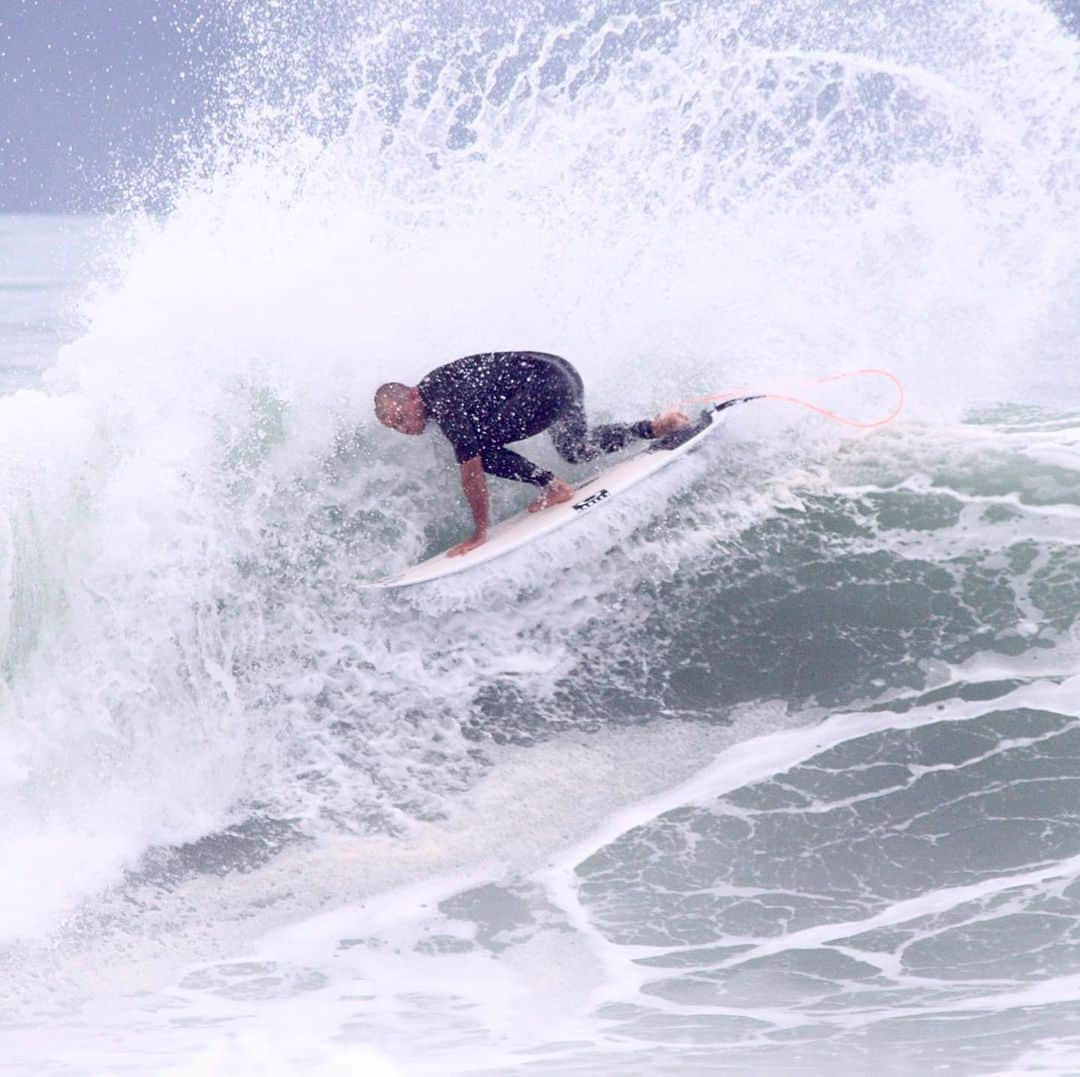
[773, 768]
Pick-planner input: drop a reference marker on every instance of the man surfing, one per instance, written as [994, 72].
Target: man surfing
[483, 402]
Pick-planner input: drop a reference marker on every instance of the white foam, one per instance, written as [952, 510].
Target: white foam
[677, 207]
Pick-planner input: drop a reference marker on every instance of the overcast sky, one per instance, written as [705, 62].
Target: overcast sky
[91, 89]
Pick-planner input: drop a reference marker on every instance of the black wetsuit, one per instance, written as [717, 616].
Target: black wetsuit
[483, 402]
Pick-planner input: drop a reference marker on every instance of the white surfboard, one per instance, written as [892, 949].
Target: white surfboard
[599, 490]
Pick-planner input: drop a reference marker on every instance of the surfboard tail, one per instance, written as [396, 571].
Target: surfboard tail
[681, 437]
[724, 404]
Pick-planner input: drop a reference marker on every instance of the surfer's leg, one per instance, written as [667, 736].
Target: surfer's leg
[509, 465]
[570, 432]
[575, 442]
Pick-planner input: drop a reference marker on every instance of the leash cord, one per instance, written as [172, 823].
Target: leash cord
[720, 401]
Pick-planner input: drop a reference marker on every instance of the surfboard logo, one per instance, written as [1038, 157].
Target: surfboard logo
[591, 500]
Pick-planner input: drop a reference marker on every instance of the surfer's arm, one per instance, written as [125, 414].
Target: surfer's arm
[474, 483]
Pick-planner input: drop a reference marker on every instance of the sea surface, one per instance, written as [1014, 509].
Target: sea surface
[772, 767]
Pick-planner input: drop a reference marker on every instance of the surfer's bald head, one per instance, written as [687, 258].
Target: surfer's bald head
[400, 407]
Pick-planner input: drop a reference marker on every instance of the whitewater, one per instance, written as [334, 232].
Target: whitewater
[773, 768]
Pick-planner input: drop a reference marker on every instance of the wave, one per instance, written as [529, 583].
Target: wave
[678, 200]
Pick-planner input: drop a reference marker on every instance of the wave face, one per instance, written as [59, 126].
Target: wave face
[210, 728]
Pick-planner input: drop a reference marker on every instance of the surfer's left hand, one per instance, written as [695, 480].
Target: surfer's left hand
[469, 544]
[669, 422]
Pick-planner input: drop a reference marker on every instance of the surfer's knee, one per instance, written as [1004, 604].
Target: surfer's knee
[570, 436]
[574, 454]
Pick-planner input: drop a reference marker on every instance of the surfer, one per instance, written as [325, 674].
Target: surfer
[483, 402]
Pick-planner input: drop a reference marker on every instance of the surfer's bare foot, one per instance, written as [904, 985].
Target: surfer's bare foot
[468, 545]
[555, 493]
[669, 422]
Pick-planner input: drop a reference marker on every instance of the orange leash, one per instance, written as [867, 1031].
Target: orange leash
[720, 401]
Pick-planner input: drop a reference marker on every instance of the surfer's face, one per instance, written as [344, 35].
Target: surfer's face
[407, 416]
